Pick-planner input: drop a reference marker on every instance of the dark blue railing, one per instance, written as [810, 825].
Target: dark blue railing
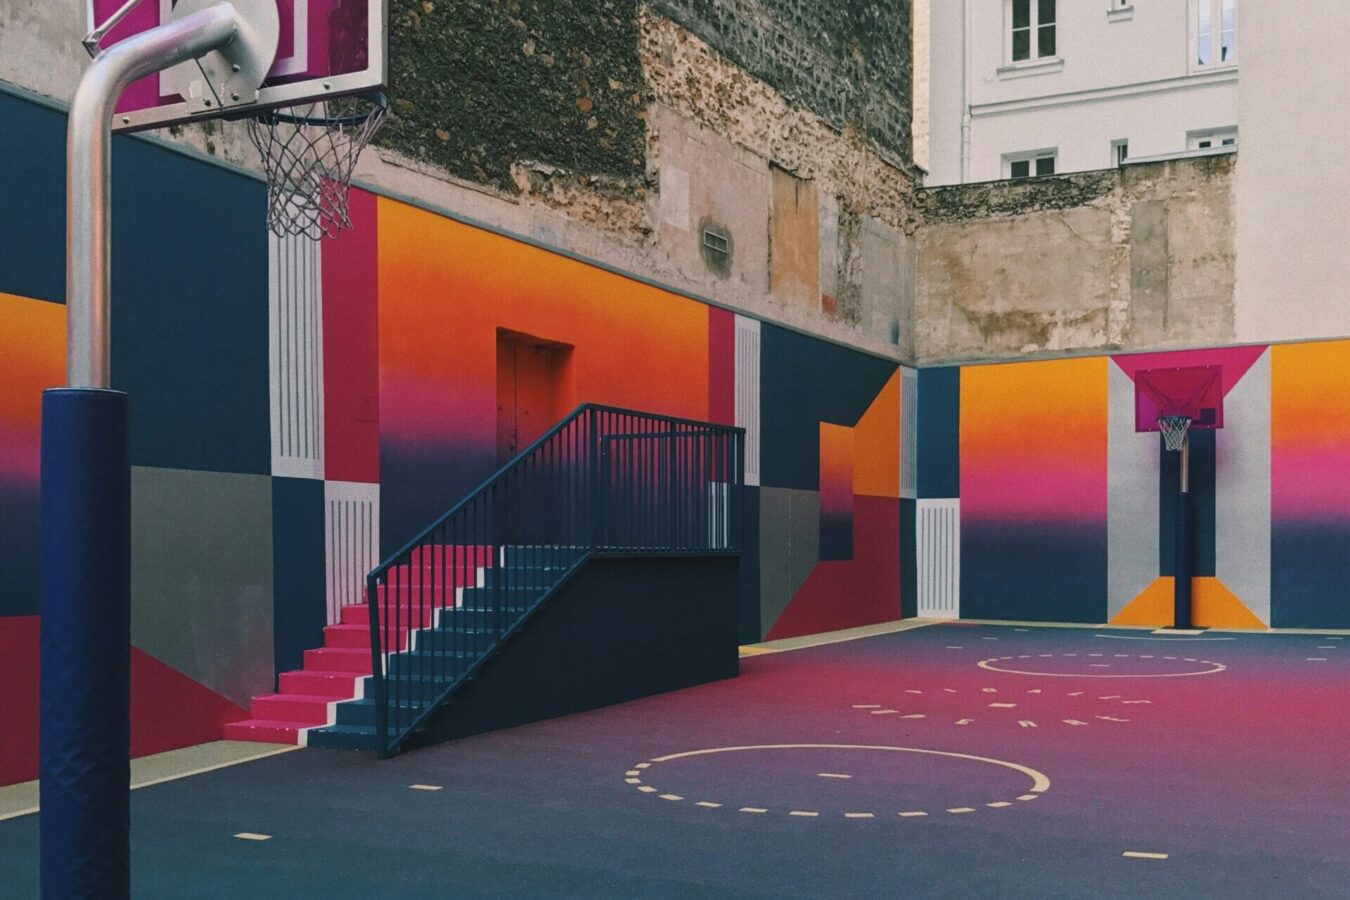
[602, 480]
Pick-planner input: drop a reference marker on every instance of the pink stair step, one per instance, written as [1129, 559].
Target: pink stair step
[415, 616]
[298, 709]
[338, 659]
[318, 683]
[355, 636]
[478, 554]
[264, 731]
[459, 574]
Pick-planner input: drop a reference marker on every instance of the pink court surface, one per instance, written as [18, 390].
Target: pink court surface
[944, 760]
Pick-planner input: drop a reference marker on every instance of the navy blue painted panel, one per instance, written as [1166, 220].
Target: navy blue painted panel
[585, 649]
[803, 382]
[939, 425]
[298, 583]
[1202, 486]
[909, 560]
[1045, 573]
[1309, 572]
[32, 200]
[189, 311]
[19, 522]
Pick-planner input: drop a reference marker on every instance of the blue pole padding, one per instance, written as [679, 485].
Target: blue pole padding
[85, 733]
[1182, 562]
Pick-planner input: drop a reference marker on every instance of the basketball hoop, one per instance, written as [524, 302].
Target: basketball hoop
[1173, 430]
[309, 153]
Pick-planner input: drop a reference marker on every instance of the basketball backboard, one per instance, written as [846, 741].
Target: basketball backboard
[325, 48]
[1195, 392]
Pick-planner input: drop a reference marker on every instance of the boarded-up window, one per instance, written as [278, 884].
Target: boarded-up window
[794, 240]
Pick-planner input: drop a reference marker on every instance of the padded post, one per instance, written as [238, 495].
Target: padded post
[85, 734]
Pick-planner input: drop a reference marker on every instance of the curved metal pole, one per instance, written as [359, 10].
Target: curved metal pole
[87, 166]
[86, 505]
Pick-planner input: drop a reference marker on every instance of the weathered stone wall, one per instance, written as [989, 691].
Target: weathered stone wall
[847, 62]
[608, 129]
[479, 86]
[1136, 258]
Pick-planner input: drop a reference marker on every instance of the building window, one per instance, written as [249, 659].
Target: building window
[1033, 29]
[1028, 165]
[1120, 151]
[1211, 138]
[1215, 32]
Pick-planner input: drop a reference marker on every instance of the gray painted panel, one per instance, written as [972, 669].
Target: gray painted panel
[201, 576]
[789, 547]
[1131, 500]
[1242, 490]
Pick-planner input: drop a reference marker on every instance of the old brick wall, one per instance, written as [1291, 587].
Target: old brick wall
[1137, 258]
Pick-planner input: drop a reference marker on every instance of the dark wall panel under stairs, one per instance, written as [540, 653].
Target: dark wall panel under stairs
[619, 629]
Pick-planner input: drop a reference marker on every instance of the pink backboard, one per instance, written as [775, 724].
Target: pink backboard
[327, 48]
[1192, 391]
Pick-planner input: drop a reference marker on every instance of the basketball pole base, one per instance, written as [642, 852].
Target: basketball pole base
[1182, 556]
[84, 731]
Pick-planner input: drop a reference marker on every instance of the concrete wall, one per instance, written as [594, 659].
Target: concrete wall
[1293, 230]
[1117, 75]
[1135, 258]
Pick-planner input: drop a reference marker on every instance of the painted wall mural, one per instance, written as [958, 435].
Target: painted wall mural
[299, 408]
[1033, 490]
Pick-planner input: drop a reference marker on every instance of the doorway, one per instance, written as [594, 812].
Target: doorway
[533, 389]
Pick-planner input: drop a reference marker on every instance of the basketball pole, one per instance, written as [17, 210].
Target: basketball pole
[1182, 551]
[84, 735]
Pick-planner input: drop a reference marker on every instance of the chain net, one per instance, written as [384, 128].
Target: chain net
[309, 153]
[1173, 430]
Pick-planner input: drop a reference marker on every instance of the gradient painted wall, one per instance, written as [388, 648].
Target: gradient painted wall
[445, 291]
[1310, 485]
[1033, 469]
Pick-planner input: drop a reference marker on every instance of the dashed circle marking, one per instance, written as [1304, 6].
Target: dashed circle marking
[1040, 783]
[990, 666]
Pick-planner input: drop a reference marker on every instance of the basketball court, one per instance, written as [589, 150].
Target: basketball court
[1197, 753]
[942, 760]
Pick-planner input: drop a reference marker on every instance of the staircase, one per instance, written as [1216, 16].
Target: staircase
[339, 671]
[602, 480]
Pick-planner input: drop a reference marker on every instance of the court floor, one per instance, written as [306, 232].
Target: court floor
[947, 760]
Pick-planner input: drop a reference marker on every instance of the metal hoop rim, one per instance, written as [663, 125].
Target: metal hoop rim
[379, 103]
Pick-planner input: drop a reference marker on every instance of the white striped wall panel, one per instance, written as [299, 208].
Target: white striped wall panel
[295, 321]
[938, 538]
[747, 392]
[351, 541]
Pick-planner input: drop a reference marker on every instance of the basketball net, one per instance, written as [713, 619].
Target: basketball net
[309, 153]
[1173, 430]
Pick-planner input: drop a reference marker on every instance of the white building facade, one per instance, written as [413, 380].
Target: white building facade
[1020, 88]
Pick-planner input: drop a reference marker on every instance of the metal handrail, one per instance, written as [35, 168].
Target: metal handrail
[604, 479]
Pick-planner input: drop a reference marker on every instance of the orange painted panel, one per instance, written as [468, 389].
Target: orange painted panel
[1033, 441]
[445, 289]
[876, 464]
[1213, 605]
[33, 348]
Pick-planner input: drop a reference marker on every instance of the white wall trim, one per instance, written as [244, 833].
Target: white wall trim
[1141, 88]
[295, 355]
